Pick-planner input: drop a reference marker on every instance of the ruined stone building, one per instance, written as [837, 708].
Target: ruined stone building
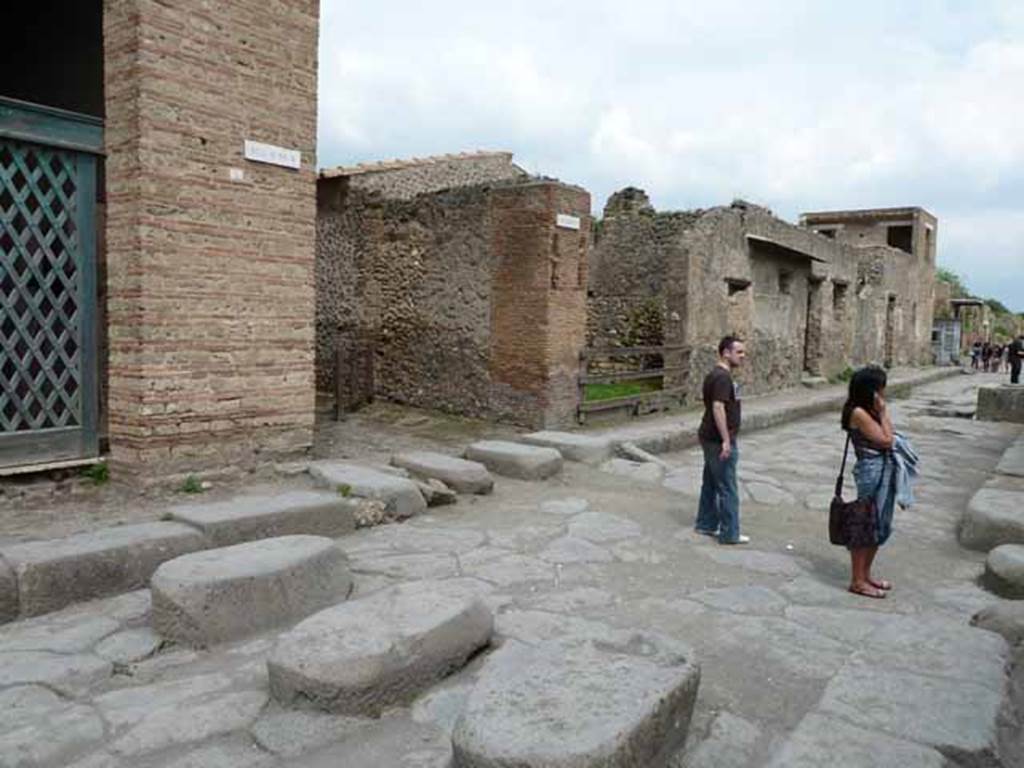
[158, 204]
[455, 282]
[843, 289]
[449, 283]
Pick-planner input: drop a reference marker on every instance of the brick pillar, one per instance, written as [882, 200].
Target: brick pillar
[210, 257]
[539, 313]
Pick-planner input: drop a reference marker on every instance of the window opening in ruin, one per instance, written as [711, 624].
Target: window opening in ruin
[928, 244]
[901, 236]
[736, 285]
[785, 282]
[829, 232]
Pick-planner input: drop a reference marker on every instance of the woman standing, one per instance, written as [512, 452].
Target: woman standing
[866, 418]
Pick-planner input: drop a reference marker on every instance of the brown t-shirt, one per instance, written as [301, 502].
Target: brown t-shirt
[719, 386]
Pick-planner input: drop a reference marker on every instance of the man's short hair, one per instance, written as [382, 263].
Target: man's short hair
[726, 343]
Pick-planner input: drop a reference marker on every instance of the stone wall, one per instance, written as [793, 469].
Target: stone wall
[472, 298]
[404, 179]
[803, 302]
[210, 276]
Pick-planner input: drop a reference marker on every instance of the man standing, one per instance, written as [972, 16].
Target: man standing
[719, 511]
[1015, 356]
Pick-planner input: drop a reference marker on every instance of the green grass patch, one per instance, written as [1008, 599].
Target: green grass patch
[628, 388]
[97, 474]
[191, 484]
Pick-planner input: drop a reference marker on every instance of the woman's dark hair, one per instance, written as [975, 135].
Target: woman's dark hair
[864, 385]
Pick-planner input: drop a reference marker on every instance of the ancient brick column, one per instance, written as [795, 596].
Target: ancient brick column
[210, 255]
[539, 311]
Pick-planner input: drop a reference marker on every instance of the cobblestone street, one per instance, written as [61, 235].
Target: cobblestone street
[794, 670]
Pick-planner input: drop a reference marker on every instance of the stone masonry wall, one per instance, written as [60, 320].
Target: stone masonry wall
[802, 302]
[404, 179]
[472, 298]
[210, 279]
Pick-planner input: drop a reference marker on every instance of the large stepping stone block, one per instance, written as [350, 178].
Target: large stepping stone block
[562, 704]
[524, 462]
[1012, 460]
[994, 516]
[53, 574]
[8, 593]
[585, 449]
[1004, 570]
[461, 475]
[248, 518]
[231, 592]
[1003, 402]
[401, 496]
[364, 656]
[1004, 618]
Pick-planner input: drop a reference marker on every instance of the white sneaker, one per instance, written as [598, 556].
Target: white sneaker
[739, 540]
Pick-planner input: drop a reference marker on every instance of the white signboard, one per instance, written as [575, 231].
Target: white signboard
[268, 153]
[566, 221]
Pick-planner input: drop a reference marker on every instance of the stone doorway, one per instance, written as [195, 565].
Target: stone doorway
[812, 333]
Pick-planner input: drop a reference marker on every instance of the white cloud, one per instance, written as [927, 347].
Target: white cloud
[793, 103]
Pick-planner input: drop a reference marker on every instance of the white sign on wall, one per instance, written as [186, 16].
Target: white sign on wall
[566, 221]
[268, 153]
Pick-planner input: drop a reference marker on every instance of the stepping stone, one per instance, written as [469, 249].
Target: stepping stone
[525, 462]
[228, 593]
[579, 702]
[1004, 570]
[248, 518]
[53, 574]
[461, 475]
[366, 655]
[641, 471]
[8, 593]
[1012, 461]
[400, 495]
[993, 517]
[436, 493]
[573, 447]
[1006, 619]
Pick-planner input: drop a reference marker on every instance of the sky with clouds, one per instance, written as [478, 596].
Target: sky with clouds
[794, 104]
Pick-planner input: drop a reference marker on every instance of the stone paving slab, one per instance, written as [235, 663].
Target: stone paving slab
[247, 518]
[952, 716]
[1004, 570]
[578, 702]
[56, 573]
[231, 592]
[392, 742]
[638, 471]
[459, 474]
[401, 496]
[363, 656]
[290, 733]
[822, 741]
[69, 674]
[64, 735]
[523, 462]
[993, 517]
[574, 446]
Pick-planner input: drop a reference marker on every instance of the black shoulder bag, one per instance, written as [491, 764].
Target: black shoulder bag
[853, 524]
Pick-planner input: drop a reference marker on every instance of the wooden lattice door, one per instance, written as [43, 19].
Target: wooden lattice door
[48, 381]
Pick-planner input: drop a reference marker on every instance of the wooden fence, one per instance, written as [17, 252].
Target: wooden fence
[608, 365]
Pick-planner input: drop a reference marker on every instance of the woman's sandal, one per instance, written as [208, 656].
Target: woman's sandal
[880, 584]
[874, 592]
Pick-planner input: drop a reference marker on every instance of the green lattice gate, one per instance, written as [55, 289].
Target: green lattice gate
[48, 386]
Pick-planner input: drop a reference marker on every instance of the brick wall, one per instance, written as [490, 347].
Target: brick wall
[210, 280]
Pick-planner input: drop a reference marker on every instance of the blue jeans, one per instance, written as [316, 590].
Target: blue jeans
[719, 509]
